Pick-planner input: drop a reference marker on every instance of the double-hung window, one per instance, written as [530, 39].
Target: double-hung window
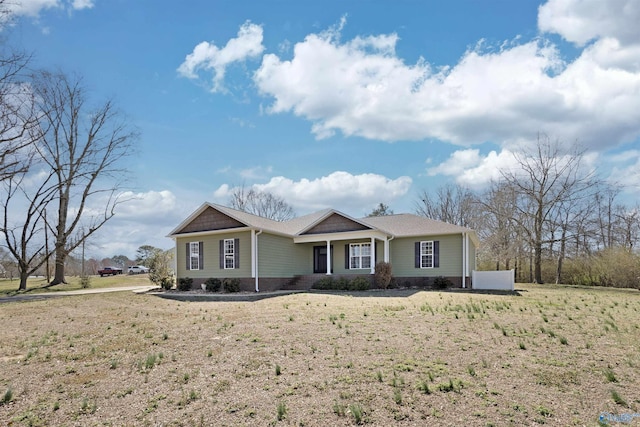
[359, 255]
[426, 254]
[229, 254]
[194, 255]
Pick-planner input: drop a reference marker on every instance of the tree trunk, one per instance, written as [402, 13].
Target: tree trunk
[61, 253]
[58, 276]
[24, 275]
[537, 263]
[561, 255]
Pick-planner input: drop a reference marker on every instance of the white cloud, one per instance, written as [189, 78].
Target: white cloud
[503, 94]
[142, 206]
[145, 218]
[472, 170]
[82, 4]
[33, 8]
[208, 57]
[580, 21]
[258, 172]
[626, 171]
[339, 190]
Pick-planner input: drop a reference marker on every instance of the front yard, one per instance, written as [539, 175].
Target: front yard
[549, 355]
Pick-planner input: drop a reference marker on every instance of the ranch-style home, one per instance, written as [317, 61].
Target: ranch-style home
[219, 242]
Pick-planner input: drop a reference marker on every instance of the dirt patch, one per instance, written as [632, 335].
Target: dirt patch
[559, 356]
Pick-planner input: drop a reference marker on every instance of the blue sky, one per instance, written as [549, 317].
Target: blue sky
[342, 104]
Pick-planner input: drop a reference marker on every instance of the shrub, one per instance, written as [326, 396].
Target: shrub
[341, 284]
[441, 283]
[212, 284]
[382, 275]
[231, 285]
[184, 283]
[326, 283]
[166, 282]
[160, 269]
[359, 284]
[85, 281]
[615, 267]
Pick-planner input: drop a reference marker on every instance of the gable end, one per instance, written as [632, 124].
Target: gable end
[335, 224]
[209, 220]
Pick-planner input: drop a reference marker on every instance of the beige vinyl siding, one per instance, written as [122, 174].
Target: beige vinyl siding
[279, 257]
[403, 257]
[211, 256]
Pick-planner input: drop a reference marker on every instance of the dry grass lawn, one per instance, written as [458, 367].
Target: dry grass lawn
[550, 355]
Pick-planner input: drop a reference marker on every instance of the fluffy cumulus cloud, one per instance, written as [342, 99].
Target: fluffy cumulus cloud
[494, 93]
[473, 170]
[580, 21]
[470, 169]
[210, 58]
[340, 190]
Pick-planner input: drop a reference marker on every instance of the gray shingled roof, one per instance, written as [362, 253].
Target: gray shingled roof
[290, 227]
[399, 225]
[405, 225]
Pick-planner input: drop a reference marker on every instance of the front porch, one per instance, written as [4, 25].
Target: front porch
[351, 253]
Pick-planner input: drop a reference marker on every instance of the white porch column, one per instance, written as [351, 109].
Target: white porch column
[373, 255]
[329, 255]
[386, 249]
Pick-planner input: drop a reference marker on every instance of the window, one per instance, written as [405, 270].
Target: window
[426, 254]
[229, 254]
[359, 255]
[194, 255]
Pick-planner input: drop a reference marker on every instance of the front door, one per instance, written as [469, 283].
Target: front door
[320, 259]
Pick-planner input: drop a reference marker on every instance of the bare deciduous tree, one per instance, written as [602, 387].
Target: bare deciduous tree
[264, 204]
[24, 238]
[546, 178]
[18, 116]
[450, 203]
[83, 146]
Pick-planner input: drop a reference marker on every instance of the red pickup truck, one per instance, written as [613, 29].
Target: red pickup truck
[109, 271]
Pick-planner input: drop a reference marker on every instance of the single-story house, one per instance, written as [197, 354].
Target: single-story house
[219, 242]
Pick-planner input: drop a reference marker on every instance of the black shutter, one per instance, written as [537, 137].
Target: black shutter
[436, 253]
[221, 254]
[416, 254]
[201, 255]
[188, 252]
[236, 252]
[346, 257]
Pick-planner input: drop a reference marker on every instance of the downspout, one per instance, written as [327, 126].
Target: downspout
[389, 249]
[255, 258]
[175, 259]
[466, 245]
[464, 261]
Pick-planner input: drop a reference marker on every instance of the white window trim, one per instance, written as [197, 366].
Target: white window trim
[194, 255]
[229, 255]
[426, 253]
[359, 257]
